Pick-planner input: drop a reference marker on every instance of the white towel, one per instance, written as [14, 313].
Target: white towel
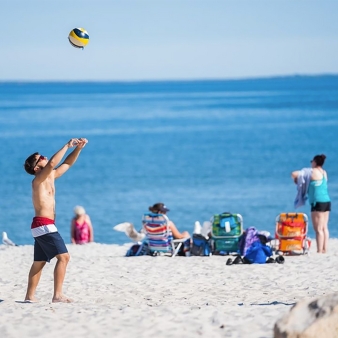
[197, 228]
[206, 229]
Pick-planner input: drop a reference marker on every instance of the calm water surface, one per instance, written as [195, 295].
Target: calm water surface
[200, 147]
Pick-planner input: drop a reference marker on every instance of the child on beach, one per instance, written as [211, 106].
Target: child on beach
[47, 241]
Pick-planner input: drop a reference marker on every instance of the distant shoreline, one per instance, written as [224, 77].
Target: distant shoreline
[187, 81]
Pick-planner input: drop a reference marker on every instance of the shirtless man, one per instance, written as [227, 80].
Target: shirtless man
[47, 241]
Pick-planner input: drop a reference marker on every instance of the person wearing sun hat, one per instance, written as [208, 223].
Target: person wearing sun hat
[161, 208]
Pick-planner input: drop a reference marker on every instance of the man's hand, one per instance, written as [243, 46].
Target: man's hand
[72, 142]
[82, 142]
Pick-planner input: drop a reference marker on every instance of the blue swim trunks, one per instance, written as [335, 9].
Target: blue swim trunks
[48, 246]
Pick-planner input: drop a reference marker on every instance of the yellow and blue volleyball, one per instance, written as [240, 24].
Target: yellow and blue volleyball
[78, 37]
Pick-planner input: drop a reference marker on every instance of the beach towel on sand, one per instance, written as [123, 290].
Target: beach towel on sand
[249, 236]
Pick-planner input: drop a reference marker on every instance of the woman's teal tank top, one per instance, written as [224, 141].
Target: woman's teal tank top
[318, 191]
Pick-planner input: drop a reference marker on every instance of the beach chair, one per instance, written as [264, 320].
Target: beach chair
[159, 236]
[226, 230]
[291, 234]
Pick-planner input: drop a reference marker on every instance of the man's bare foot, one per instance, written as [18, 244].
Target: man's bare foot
[33, 300]
[62, 299]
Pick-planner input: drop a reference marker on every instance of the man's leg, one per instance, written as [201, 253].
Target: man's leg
[33, 280]
[59, 276]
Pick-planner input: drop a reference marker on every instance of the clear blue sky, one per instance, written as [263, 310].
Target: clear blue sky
[168, 39]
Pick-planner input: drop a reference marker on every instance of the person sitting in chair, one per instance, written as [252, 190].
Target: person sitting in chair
[160, 208]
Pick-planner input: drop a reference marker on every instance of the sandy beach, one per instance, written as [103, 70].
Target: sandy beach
[158, 296]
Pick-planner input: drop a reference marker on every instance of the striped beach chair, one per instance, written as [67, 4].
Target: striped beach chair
[159, 236]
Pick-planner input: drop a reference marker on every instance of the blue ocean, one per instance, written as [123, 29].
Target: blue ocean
[200, 147]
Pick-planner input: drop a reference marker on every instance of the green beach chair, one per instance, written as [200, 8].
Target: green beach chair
[226, 231]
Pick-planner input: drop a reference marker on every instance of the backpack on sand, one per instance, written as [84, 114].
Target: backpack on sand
[257, 253]
[138, 250]
[200, 246]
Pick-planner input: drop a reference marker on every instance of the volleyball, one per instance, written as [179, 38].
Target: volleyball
[78, 37]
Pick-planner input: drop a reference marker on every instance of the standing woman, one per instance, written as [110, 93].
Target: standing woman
[320, 201]
[81, 230]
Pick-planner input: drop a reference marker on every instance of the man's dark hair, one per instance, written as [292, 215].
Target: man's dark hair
[30, 164]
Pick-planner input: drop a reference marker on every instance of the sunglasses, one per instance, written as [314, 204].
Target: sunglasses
[41, 157]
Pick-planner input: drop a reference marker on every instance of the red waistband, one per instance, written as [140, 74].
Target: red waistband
[40, 221]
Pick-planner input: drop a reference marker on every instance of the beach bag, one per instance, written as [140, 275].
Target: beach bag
[257, 253]
[200, 246]
[249, 237]
[138, 250]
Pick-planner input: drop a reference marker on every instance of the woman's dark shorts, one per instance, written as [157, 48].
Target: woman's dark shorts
[321, 206]
[48, 246]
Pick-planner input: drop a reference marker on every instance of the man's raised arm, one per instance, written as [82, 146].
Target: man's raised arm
[54, 161]
[71, 158]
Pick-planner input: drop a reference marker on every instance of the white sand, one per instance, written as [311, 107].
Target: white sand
[158, 296]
